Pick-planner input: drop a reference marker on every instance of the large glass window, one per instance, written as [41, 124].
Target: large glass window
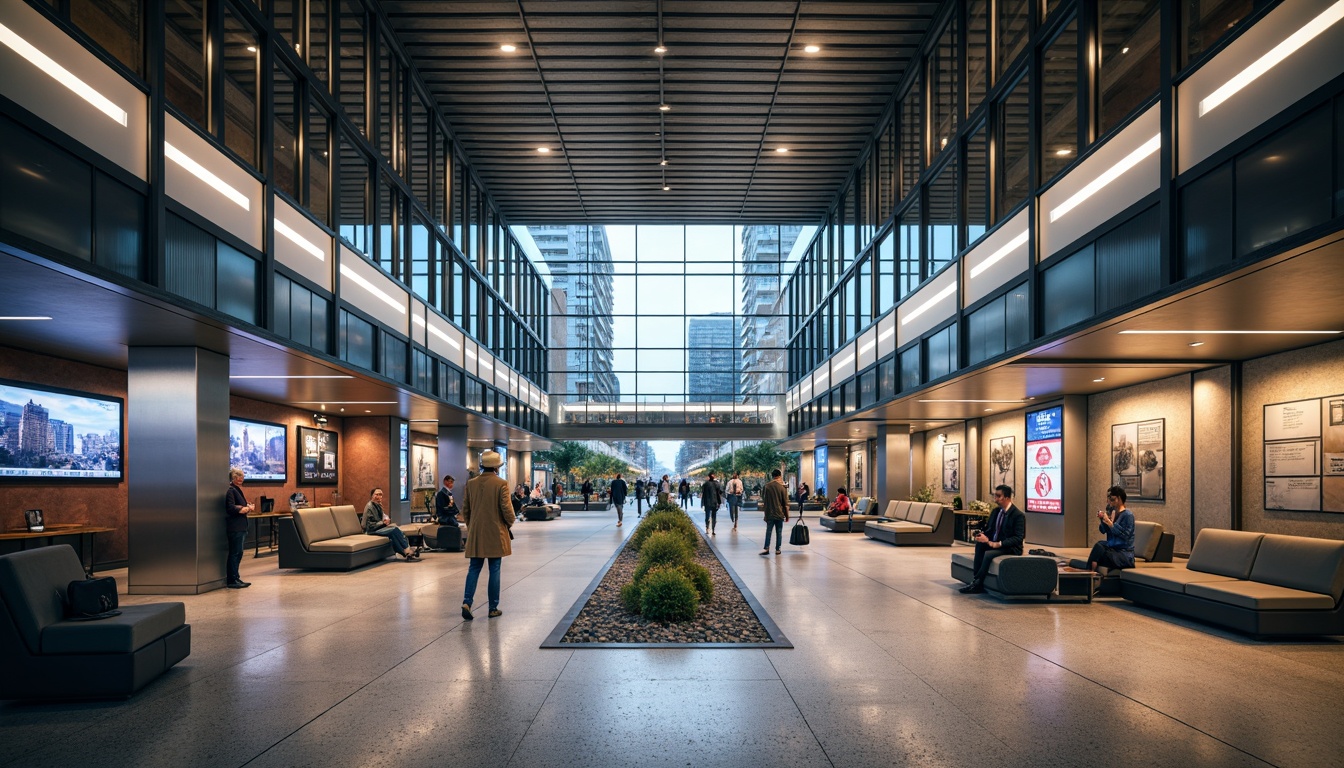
[1059, 103]
[1130, 60]
[389, 103]
[912, 138]
[945, 97]
[116, 25]
[944, 219]
[354, 197]
[977, 184]
[977, 52]
[1013, 33]
[318, 163]
[1206, 23]
[1014, 165]
[241, 57]
[420, 159]
[319, 31]
[285, 142]
[911, 254]
[351, 68]
[184, 57]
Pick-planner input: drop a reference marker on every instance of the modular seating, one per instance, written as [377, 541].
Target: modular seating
[329, 538]
[850, 523]
[913, 522]
[1152, 548]
[543, 511]
[1267, 585]
[446, 538]
[1012, 576]
[44, 655]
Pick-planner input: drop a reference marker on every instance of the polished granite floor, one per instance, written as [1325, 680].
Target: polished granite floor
[891, 667]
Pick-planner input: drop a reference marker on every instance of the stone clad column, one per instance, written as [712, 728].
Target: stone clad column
[177, 469]
[891, 470]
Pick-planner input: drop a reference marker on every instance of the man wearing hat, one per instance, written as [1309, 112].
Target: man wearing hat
[488, 513]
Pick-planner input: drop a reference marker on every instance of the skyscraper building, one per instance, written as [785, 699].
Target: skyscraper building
[34, 431]
[579, 258]
[765, 248]
[711, 357]
[62, 436]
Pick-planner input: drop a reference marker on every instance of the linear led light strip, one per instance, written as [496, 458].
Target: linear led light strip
[200, 172]
[371, 288]
[937, 297]
[61, 75]
[299, 240]
[997, 256]
[1114, 172]
[1277, 54]
[1232, 332]
[324, 376]
[972, 401]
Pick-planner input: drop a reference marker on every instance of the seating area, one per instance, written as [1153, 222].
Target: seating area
[1011, 576]
[443, 538]
[1152, 547]
[1267, 585]
[44, 655]
[913, 523]
[542, 511]
[852, 523]
[329, 538]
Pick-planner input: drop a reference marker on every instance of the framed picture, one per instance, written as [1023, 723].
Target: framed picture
[424, 466]
[1138, 459]
[32, 518]
[1002, 461]
[258, 448]
[952, 467]
[857, 471]
[58, 434]
[319, 457]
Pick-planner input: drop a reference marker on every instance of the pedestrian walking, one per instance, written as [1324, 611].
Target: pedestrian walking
[618, 491]
[641, 488]
[775, 500]
[489, 516]
[587, 491]
[735, 497]
[711, 495]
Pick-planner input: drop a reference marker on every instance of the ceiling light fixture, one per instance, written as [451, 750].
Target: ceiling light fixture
[781, 150]
[1278, 53]
[664, 108]
[1103, 378]
[283, 229]
[970, 401]
[1125, 49]
[251, 49]
[1110, 174]
[660, 50]
[1063, 152]
[663, 161]
[1231, 333]
[302, 376]
[507, 48]
[24, 317]
[812, 48]
[1196, 343]
[325, 403]
[61, 75]
[543, 150]
[666, 188]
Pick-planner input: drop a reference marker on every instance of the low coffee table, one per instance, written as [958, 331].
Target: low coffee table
[1075, 582]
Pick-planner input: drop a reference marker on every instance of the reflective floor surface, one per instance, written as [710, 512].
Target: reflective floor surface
[891, 667]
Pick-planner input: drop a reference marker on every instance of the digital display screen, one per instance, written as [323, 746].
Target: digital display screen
[58, 434]
[258, 448]
[1045, 461]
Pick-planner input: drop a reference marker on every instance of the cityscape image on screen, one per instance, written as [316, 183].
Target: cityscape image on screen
[58, 435]
[257, 448]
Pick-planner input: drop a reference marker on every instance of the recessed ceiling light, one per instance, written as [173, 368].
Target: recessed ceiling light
[781, 150]
[251, 49]
[543, 150]
[660, 49]
[988, 410]
[663, 161]
[970, 401]
[508, 48]
[943, 143]
[366, 410]
[666, 188]
[812, 48]
[1103, 378]
[1196, 343]
[1063, 152]
[664, 108]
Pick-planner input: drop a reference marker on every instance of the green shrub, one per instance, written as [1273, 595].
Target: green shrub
[665, 548]
[924, 494]
[668, 595]
[699, 576]
[665, 520]
[630, 595]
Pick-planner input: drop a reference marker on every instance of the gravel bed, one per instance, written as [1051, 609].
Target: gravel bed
[727, 618]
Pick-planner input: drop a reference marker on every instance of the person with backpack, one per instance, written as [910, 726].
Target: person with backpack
[587, 491]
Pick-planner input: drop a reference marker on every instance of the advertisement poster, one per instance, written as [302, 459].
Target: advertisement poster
[819, 477]
[952, 467]
[1045, 461]
[318, 457]
[405, 439]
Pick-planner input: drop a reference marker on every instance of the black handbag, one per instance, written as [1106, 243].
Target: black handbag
[800, 536]
[87, 599]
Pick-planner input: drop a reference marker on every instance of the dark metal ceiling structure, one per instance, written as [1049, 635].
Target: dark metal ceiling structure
[584, 82]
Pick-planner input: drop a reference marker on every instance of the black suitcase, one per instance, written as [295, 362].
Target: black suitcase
[800, 536]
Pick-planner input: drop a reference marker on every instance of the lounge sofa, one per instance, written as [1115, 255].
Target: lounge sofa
[913, 522]
[446, 538]
[1011, 576]
[1152, 548]
[852, 523]
[1266, 585]
[329, 538]
[43, 655]
[542, 511]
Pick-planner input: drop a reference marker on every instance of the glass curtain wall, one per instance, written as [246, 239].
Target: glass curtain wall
[666, 324]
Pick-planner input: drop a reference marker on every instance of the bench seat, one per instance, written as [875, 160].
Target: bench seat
[913, 523]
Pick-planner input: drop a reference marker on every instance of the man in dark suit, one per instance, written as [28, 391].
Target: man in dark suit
[1004, 534]
[445, 506]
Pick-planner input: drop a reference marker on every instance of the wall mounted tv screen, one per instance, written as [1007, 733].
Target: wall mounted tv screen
[58, 434]
[258, 448]
[1045, 461]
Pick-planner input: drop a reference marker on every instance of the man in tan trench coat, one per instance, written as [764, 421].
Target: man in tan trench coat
[488, 513]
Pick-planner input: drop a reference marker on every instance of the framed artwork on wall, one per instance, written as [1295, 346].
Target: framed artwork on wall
[1002, 461]
[952, 467]
[858, 471]
[1138, 459]
[424, 465]
[319, 457]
